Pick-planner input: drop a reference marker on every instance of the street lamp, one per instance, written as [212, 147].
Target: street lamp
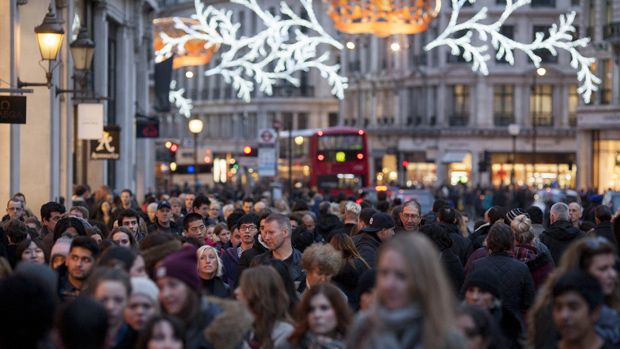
[82, 51]
[539, 72]
[195, 127]
[513, 130]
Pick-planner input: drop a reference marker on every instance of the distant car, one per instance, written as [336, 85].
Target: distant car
[612, 199]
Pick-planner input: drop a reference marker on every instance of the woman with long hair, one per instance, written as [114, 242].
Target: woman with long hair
[596, 256]
[322, 319]
[163, 331]
[210, 271]
[353, 266]
[123, 238]
[262, 290]
[414, 305]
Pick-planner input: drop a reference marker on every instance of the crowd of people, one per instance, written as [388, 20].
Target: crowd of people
[205, 271]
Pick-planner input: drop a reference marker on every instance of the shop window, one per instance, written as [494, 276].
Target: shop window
[503, 105]
[573, 102]
[541, 105]
[606, 76]
[460, 113]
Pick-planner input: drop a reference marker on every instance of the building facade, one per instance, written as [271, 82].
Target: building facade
[598, 126]
[43, 158]
[431, 120]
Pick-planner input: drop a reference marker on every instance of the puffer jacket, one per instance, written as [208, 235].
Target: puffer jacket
[515, 283]
[558, 236]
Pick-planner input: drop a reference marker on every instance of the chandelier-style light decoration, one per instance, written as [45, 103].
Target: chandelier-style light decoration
[383, 17]
[189, 51]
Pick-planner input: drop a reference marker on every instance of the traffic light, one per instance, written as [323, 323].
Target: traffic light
[405, 163]
[172, 151]
[250, 151]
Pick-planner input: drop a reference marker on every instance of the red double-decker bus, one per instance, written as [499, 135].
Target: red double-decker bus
[331, 160]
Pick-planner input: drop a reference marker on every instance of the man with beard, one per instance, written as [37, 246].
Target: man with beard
[78, 266]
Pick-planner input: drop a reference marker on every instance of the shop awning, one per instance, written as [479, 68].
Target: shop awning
[452, 156]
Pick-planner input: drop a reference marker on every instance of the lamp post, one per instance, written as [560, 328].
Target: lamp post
[513, 130]
[539, 72]
[195, 127]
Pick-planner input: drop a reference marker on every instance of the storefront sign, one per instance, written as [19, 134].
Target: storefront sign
[147, 127]
[90, 120]
[12, 109]
[108, 146]
[599, 120]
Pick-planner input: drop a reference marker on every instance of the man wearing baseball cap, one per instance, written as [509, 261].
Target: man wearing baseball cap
[163, 220]
[380, 228]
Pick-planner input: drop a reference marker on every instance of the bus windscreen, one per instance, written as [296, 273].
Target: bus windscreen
[340, 142]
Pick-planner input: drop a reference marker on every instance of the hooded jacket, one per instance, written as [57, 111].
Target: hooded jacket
[325, 225]
[558, 236]
[368, 245]
[539, 263]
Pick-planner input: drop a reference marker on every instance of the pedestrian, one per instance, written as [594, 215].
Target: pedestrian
[78, 266]
[414, 304]
[515, 283]
[479, 328]
[163, 220]
[262, 290]
[120, 257]
[247, 228]
[461, 246]
[380, 229]
[32, 251]
[111, 288]
[82, 323]
[51, 213]
[353, 265]
[210, 272]
[410, 216]
[223, 235]
[162, 332]
[438, 234]
[322, 319]
[142, 304]
[123, 237]
[596, 256]
[538, 262]
[320, 263]
[602, 218]
[561, 232]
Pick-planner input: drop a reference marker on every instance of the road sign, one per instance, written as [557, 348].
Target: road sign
[267, 136]
[12, 110]
[267, 161]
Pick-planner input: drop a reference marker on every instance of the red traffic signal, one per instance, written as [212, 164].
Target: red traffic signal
[249, 151]
[405, 163]
[174, 147]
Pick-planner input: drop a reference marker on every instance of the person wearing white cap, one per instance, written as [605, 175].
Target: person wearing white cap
[143, 303]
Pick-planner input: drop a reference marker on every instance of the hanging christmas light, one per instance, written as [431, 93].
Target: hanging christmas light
[383, 17]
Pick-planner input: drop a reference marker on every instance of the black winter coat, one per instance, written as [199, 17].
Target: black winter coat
[368, 245]
[478, 236]
[454, 269]
[326, 225]
[461, 246]
[515, 284]
[558, 236]
[604, 229]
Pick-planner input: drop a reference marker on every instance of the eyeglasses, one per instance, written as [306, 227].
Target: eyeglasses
[411, 216]
[248, 227]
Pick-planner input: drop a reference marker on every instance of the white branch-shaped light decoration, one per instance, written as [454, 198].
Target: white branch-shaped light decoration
[184, 105]
[267, 57]
[560, 38]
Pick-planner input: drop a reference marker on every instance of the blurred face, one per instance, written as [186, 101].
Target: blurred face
[322, 316]
[479, 297]
[472, 336]
[15, 209]
[240, 295]
[572, 317]
[248, 232]
[176, 209]
[386, 234]
[574, 212]
[410, 216]
[189, 200]
[57, 261]
[196, 229]
[76, 213]
[105, 207]
[163, 215]
[293, 224]
[173, 294]
[138, 269]
[131, 223]
[33, 254]
[214, 210]
[150, 211]
[138, 311]
[163, 337]
[207, 264]
[79, 263]
[602, 268]
[50, 224]
[308, 223]
[274, 236]
[97, 238]
[121, 239]
[247, 207]
[224, 236]
[315, 277]
[235, 238]
[113, 296]
[392, 286]
[126, 199]
[203, 210]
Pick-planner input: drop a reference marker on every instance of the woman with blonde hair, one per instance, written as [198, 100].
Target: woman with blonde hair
[539, 263]
[596, 256]
[414, 305]
[210, 271]
[262, 290]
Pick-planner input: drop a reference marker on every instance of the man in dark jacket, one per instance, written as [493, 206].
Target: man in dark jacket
[380, 229]
[491, 216]
[163, 220]
[326, 223]
[461, 246]
[560, 233]
[602, 218]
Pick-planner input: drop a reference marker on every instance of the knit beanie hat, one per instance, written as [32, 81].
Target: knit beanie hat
[145, 287]
[61, 247]
[181, 265]
[484, 280]
[512, 214]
